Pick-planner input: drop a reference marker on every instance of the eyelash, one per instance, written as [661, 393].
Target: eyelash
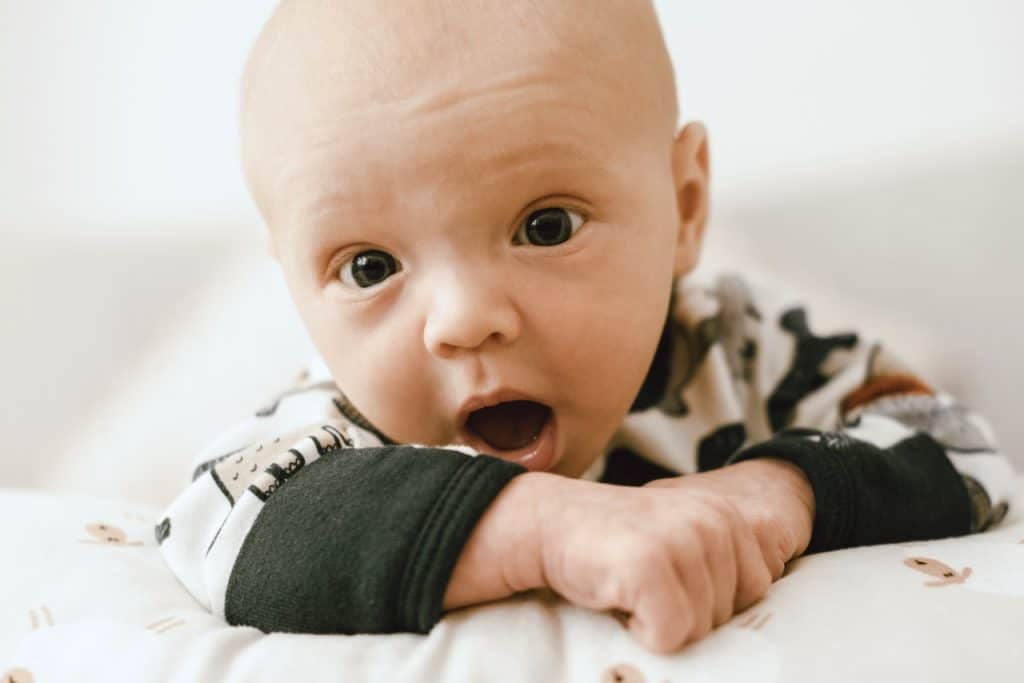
[336, 270]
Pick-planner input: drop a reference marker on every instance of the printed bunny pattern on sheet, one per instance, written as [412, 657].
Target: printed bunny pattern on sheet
[108, 535]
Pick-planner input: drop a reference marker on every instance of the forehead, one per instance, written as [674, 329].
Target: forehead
[454, 143]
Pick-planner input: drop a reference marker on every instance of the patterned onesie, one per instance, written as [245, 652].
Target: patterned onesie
[307, 518]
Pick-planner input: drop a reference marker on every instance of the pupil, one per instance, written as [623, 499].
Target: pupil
[370, 267]
[549, 226]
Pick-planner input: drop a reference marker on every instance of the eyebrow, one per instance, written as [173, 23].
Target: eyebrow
[561, 148]
[565, 157]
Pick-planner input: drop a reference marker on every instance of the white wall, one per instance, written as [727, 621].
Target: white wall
[115, 111]
[794, 89]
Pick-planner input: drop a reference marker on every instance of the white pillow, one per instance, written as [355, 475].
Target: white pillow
[86, 597]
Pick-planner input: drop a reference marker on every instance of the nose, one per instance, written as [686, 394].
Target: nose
[468, 307]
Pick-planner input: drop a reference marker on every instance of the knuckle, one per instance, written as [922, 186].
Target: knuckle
[755, 587]
[662, 641]
[640, 568]
[646, 553]
[787, 543]
[757, 516]
[700, 631]
[713, 524]
[663, 635]
[761, 583]
[725, 506]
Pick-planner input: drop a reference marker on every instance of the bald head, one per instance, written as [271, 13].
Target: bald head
[318, 64]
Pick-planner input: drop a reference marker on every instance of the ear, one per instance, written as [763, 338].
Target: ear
[690, 174]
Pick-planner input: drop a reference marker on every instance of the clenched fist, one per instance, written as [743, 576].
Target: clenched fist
[678, 561]
[676, 556]
[774, 497]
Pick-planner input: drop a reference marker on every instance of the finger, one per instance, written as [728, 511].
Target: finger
[662, 615]
[693, 570]
[753, 578]
[720, 560]
[771, 555]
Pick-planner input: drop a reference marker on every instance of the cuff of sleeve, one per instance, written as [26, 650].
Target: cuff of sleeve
[867, 496]
[447, 527]
[362, 542]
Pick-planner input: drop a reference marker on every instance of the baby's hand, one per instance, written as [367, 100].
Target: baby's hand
[679, 556]
[774, 497]
[678, 560]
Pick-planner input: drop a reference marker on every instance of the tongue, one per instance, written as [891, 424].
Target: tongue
[511, 425]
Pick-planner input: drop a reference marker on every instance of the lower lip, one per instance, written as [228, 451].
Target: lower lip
[541, 454]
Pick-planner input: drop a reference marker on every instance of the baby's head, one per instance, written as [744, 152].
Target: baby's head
[467, 197]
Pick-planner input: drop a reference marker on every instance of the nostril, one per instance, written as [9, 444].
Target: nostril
[469, 319]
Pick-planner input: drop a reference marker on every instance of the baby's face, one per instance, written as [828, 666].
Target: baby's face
[470, 229]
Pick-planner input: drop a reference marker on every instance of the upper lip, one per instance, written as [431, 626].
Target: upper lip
[478, 401]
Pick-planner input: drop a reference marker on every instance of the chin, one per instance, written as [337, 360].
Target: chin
[570, 466]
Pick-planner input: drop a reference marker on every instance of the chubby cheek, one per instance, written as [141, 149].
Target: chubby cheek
[608, 373]
[620, 310]
[375, 373]
[606, 336]
[370, 364]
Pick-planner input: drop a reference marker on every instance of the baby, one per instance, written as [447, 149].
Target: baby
[486, 217]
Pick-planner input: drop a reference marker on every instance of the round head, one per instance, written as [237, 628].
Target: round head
[473, 197]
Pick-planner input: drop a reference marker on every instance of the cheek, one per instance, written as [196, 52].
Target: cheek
[607, 341]
[625, 283]
[610, 349]
[378, 370]
[607, 321]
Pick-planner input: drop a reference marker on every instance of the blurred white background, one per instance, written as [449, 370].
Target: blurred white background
[870, 154]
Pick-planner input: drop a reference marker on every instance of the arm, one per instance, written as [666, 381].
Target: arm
[888, 458]
[363, 542]
[322, 529]
[500, 558]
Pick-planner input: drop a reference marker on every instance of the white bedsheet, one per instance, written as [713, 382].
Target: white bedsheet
[85, 596]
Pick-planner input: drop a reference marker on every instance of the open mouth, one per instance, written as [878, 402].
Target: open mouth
[510, 425]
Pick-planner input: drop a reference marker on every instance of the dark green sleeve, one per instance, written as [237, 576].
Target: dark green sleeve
[363, 541]
[866, 495]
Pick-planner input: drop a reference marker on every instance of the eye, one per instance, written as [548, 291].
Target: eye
[549, 227]
[368, 268]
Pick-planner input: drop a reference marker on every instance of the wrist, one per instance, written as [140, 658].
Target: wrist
[502, 555]
[795, 494]
[522, 516]
[799, 491]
